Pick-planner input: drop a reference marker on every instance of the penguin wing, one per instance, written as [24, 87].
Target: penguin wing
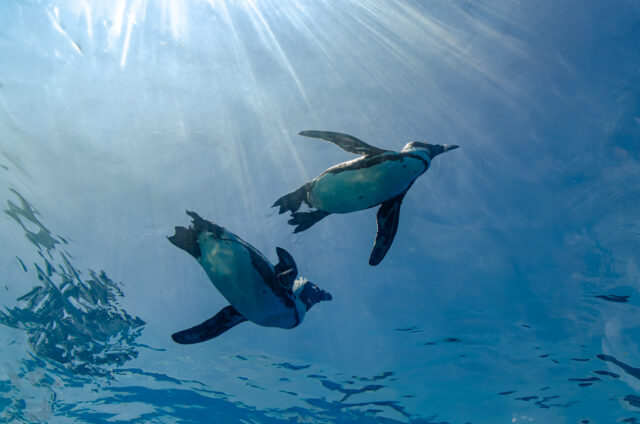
[387, 220]
[222, 321]
[286, 261]
[345, 142]
[286, 270]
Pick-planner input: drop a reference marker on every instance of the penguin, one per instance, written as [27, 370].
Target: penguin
[378, 177]
[266, 294]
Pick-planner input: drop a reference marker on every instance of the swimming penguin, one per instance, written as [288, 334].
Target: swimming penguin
[258, 291]
[379, 177]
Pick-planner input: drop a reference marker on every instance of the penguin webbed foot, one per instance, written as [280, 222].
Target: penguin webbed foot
[292, 201]
[187, 238]
[199, 224]
[304, 220]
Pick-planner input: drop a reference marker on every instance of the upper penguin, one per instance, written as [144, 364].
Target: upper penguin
[378, 177]
[269, 295]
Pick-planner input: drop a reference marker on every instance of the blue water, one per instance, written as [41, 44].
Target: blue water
[510, 294]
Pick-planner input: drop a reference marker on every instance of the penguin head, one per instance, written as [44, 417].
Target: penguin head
[306, 294]
[432, 150]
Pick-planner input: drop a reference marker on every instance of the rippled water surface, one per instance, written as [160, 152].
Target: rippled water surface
[510, 294]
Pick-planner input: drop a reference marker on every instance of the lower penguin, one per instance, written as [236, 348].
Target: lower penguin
[266, 294]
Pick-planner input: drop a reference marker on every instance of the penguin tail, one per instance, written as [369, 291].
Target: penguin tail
[187, 238]
[292, 201]
[304, 220]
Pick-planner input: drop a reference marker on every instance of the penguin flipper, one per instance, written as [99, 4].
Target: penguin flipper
[286, 270]
[286, 260]
[345, 142]
[387, 220]
[304, 220]
[227, 318]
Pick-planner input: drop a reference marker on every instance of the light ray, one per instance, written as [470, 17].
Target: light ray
[273, 41]
[86, 9]
[55, 20]
[266, 114]
[127, 40]
[117, 19]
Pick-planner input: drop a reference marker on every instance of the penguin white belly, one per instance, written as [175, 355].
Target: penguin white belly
[229, 267]
[362, 188]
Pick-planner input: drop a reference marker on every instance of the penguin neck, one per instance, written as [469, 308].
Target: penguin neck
[301, 307]
[418, 152]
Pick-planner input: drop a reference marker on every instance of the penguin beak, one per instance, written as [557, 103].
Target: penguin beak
[448, 147]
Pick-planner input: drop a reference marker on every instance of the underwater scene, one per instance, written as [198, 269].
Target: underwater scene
[331, 211]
